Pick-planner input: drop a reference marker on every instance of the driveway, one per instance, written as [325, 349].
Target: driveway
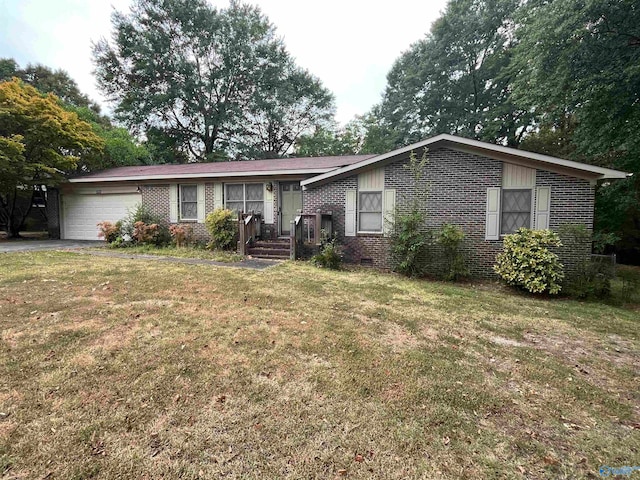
[36, 245]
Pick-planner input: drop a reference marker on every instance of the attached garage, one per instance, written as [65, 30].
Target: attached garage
[82, 212]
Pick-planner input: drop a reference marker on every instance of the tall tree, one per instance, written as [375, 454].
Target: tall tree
[580, 59]
[455, 80]
[39, 143]
[217, 81]
[46, 80]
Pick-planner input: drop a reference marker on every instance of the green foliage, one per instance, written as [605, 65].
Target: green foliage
[454, 80]
[527, 262]
[330, 255]
[223, 228]
[591, 277]
[450, 238]
[409, 239]
[217, 82]
[142, 226]
[410, 243]
[581, 59]
[39, 143]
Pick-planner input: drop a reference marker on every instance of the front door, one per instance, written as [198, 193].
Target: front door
[290, 203]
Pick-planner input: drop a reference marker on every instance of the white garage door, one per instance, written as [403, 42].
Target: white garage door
[81, 213]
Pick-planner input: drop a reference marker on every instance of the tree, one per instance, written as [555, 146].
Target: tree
[581, 59]
[216, 81]
[456, 79]
[39, 143]
[47, 80]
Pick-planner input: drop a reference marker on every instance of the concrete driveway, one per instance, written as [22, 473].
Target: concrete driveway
[9, 246]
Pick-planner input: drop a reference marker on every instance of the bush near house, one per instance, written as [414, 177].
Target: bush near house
[450, 238]
[330, 255]
[109, 231]
[222, 227]
[528, 263]
[591, 277]
[182, 235]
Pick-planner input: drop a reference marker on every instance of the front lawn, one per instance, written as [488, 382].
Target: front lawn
[118, 368]
[181, 252]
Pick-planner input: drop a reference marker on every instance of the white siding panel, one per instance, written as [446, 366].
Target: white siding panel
[516, 176]
[372, 180]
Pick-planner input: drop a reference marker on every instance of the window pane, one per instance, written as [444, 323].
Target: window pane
[513, 221]
[516, 200]
[255, 206]
[516, 210]
[234, 193]
[235, 206]
[188, 210]
[371, 222]
[189, 193]
[371, 202]
[255, 191]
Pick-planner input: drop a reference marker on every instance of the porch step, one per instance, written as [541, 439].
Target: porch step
[270, 249]
[256, 251]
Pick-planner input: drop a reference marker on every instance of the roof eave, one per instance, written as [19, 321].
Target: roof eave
[183, 176]
[498, 152]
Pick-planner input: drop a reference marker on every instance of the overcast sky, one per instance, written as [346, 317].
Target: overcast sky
[349, 45]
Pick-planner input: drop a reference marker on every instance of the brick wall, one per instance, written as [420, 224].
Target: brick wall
[457, 185]
[156, 197]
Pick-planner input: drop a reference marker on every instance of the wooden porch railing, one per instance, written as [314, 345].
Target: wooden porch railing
[248, 229]
[310, 229]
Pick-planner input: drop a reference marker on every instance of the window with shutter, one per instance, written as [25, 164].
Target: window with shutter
[188, 200]
[516, 210]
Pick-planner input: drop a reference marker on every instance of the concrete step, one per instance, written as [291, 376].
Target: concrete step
[255, 251]
[270, 257]
[278, 244]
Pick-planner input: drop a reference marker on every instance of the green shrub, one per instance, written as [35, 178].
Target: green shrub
[330, 255]
[450, 238]
[410, 243]
[527, 262]
[223, 227]
[590, 277]
[142, 214]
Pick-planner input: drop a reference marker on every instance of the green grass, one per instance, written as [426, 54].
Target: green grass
[182, 252]
[117, 368]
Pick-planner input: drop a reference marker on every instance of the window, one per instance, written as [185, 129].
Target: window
[245, 197]
[188, 200]
[370, 212]
[516, 210]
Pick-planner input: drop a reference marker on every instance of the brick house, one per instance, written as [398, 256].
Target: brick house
[487, 190]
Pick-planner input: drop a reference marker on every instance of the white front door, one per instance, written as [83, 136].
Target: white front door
[82, 213]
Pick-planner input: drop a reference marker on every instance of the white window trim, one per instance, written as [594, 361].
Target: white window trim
[531, 210]
[370, 232]
[244, 194]
[180, 217]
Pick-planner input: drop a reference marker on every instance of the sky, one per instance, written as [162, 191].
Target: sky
[349, 45]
